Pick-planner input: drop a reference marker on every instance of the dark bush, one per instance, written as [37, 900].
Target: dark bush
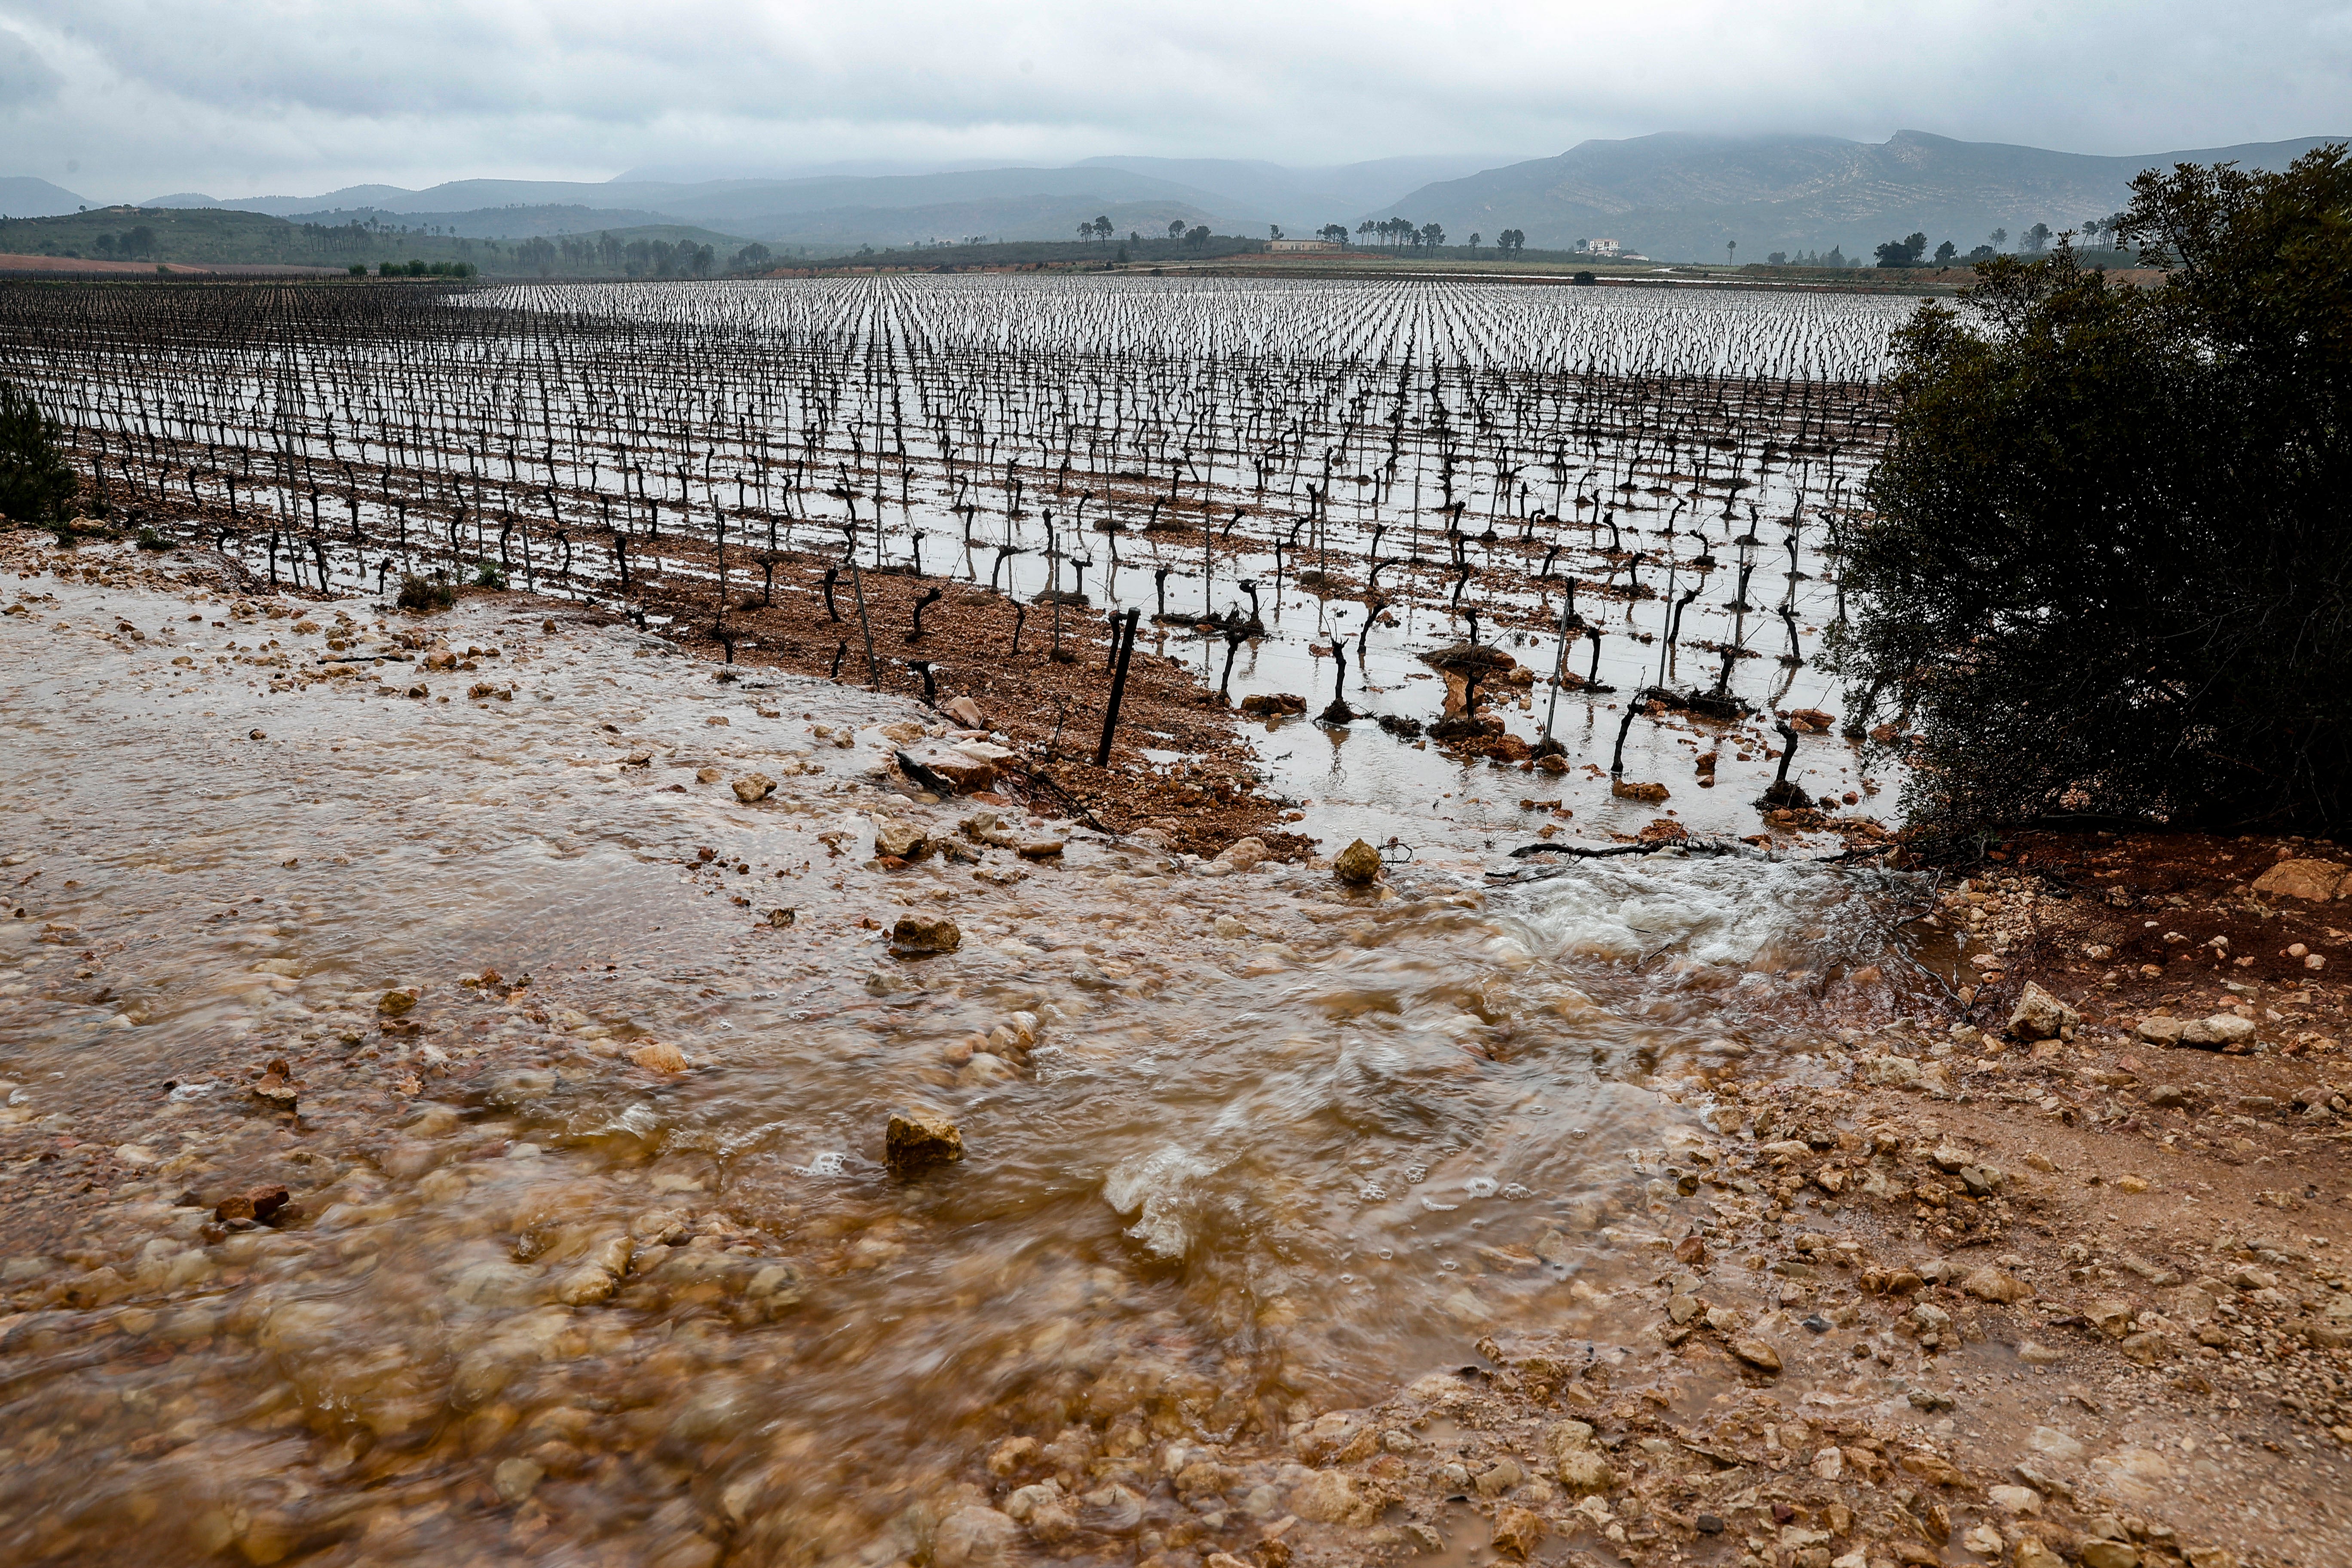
[36, 483]
[2110, 571]
[418, 595]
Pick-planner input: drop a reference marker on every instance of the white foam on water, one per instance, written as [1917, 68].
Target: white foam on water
[1729, 910]
[1156, 1187]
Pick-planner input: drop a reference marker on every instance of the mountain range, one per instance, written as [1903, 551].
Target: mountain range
[1682, 197]
[1673, 197]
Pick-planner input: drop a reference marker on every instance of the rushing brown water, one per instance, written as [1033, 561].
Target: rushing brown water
[1241, 1148]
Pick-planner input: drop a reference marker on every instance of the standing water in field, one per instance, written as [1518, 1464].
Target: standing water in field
[572, 1047]
[1304, 487]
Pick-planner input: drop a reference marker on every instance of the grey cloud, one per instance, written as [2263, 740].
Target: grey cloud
[304, 98]
[25, 79]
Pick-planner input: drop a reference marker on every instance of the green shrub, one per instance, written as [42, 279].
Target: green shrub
[489, 576]
[150, 539]
[420, 595]
[357, 270]
[2109, 571]
[36, 483]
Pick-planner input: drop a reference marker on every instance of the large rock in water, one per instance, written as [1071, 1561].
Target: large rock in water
[2038, 1016]
[2317, 880]
[954, 767]
[918, 1139]
[925, 933]
[1359, 865]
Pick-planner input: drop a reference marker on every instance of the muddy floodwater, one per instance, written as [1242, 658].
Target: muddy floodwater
[590, 1253]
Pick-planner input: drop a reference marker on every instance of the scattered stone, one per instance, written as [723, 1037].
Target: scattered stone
[1891, 1072]
[1583, 1469]
[515, 1479]
[1649, 792]
[1336, 1497]
[950, 770]
[898, 840]
[658, 1056]
[1758, 1354]
[925, 934]
[917, 1139]
[586, 1286]
[1359, 865]
[1518, 1531]
[2315, 880]
[965, 711]
[1242, 854]
[395, 1003]
[2038, 1016]
[2221, 1029]
[277, 1085]
[1991, 1284]
[754, 787]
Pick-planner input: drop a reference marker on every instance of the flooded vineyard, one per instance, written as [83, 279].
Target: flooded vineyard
[1304, 487]
[549, 1055]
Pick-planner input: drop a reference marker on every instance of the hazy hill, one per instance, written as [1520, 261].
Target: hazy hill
[889, 208]
[214, 237]
[1304, 199]
[21, 195]
[1681, 198]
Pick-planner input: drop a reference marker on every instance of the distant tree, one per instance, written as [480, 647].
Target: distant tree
[1982, 253]
[36, 480]
[1730, 247]
[1944, 252]
[1175, 229]
[752, 255]
[1337, 233]
[1836, 257]
[1197, 236]
[2037, 239]
[1513, 240]
[139, 241]
[1904, 252]
[1999, 237]
[1433, 235]
[1274, 231]
[1369, 227]
[1778, 259]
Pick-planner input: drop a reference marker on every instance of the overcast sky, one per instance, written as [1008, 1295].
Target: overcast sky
[119, 100]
